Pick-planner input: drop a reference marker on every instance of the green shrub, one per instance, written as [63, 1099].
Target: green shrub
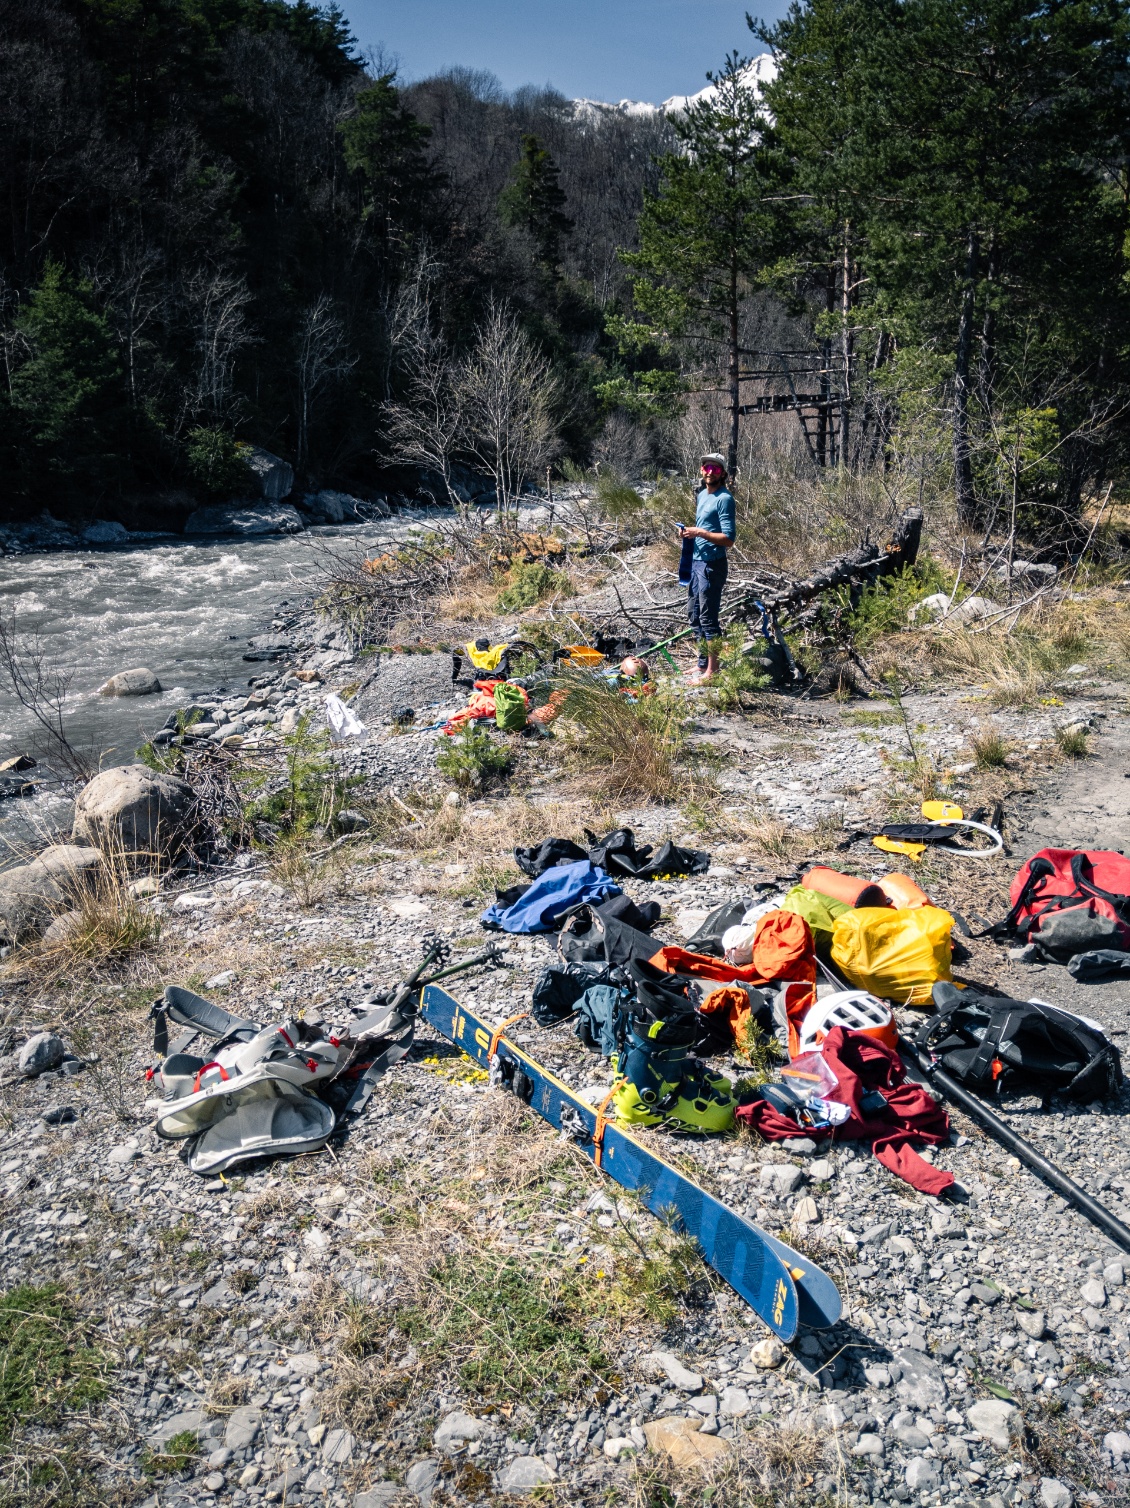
[46, 1364]
[529, 582]
[471, 759]
[178, 1454]
[217, 463]
[314, 789]
[616, 496]
[1072, 742]
[885, 607]
[738, 674]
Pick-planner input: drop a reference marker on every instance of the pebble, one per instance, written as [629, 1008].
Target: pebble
[1093, 1293]
[421, 1479]
[677, 1375]
[457, 1428]
[768, 1353]
[921, 1474]
[868, 1445]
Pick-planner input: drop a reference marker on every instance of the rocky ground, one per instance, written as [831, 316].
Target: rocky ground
[451, 1305]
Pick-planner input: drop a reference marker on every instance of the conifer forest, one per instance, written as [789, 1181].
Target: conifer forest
[225, 226]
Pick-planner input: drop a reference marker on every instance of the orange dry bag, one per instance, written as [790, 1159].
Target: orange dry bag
[848, 888]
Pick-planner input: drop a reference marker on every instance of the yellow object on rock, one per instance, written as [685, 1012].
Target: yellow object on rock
[897, 955]
[485, 659]
[896, 845]
[942, 811]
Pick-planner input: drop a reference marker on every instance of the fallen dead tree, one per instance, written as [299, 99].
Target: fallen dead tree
[772, 602]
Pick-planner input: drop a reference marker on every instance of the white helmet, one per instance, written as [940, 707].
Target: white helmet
[854, 1010]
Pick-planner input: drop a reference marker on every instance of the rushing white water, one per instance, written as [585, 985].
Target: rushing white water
[183, 610]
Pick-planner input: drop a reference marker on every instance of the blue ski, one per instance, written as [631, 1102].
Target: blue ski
[783, 1287]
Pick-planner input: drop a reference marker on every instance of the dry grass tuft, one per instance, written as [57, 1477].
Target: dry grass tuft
[628, 750]
[990, 749]
[99, 930]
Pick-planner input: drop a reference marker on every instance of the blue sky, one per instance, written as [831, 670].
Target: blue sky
[600, 49]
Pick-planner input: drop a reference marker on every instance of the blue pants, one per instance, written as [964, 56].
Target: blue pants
[704, 596]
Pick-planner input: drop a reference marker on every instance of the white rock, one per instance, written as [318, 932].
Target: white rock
[139, 682]
[921, 1474]
[220, 981]
[767, 1353]
[242, 1428]
[127, 1152]
[134, 811]
[457, 1426]
[1093, 1293]
[338, 1447]
[525, 1473]
[736, 1402]
[421, 1479]
[677, 1375]
[614, 1448]
[821, 1170]
[31, 893]
[806, 1211]
[408, 907]
[992, 1418]
[868, 1445]
[1114, 1275]
[1053, 1494]
[1117, 1443]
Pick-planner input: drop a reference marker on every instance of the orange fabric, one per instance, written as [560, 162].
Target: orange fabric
[547, 713]
[479, 704]
[732, 1002]
[841, 887]
[846, 888]
[783, 947]
[673, 960]
[903, 893]
[800, 997]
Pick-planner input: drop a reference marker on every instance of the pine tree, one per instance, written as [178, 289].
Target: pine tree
[535, 201]
[709, 231]
[69, 393]
[384, 143]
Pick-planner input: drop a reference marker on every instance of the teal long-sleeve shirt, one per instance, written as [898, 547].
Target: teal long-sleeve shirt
[715, 512]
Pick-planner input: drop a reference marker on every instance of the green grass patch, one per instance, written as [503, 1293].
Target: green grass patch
[509, 1328]
[885, 607]
[48, 1364]
[178, 1454]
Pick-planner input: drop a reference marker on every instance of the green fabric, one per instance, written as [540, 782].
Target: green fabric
[819, 911]
[509, 708]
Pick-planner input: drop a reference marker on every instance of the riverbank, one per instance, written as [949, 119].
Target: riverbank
[451, 1304]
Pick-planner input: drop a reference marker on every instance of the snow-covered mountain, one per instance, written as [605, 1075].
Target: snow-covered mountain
[762, 70]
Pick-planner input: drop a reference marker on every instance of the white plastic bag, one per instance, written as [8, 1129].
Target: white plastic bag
[344, 724]
[737, 941]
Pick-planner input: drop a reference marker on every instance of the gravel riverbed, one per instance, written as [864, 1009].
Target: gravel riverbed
[982, 1356]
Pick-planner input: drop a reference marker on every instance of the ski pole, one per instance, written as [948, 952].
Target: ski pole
[1097, 1213]
[489, 955]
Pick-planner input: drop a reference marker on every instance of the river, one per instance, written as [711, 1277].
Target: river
[183, 610]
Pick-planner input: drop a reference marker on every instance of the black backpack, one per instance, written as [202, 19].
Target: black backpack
[990, 1043]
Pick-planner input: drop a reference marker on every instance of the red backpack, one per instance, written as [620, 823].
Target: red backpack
[1068, 901]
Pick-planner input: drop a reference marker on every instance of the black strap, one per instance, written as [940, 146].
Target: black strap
[980, 1069]
[1088, 887]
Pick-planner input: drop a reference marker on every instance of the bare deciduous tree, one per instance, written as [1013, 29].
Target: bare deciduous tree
[321, 357]
[28, 674]
[493, 408]
[508, 392]
[219, 299]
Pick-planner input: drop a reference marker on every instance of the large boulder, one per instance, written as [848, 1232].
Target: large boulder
[275, 476]
[32, 894]
[246, 522]
[104, 532]
[140, 682]
[134, 811]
